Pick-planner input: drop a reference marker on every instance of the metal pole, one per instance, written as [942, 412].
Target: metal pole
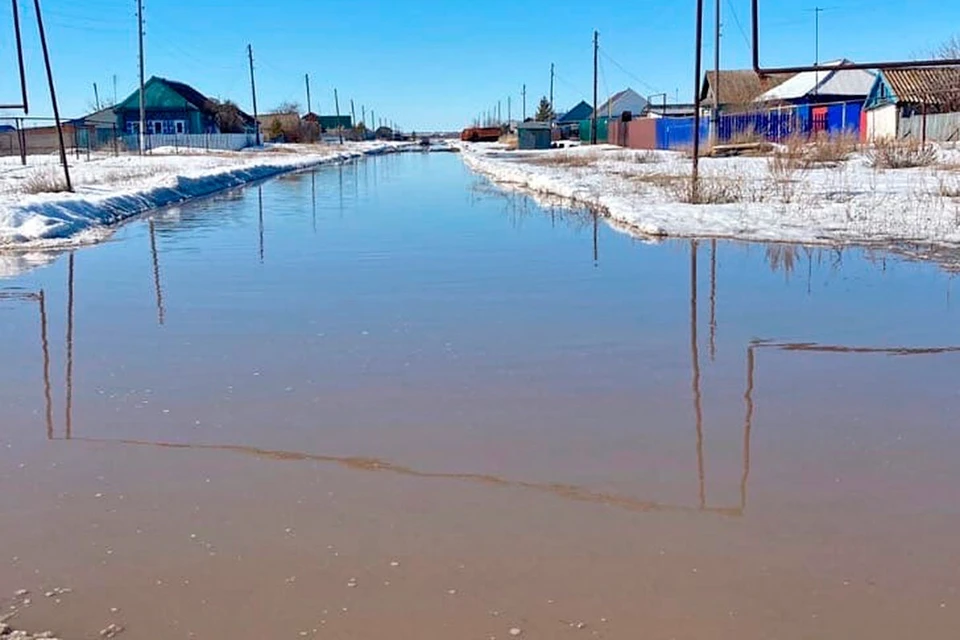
[53, 95]
[695, 174]
[715, 119]
[336, 100]
[596, 68]
[23, 74]
[253, 90]
[143, 106]
[21, 141]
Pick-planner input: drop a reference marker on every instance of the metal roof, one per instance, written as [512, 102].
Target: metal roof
[934, 85]
[833, 80]
[619, 103]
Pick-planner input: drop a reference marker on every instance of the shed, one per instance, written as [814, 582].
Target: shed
[534, 135]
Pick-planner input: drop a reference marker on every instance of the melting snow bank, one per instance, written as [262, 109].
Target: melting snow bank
[110, 190]
[849, 203]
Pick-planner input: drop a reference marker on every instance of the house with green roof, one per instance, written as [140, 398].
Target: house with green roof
[175, 108]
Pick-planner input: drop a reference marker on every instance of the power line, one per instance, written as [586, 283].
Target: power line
[736, 20]
[645, 84]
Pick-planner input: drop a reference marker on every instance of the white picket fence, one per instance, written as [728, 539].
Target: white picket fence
[210, 141]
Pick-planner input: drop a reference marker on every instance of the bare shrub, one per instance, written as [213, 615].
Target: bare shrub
[949, 186]
[747, 136]
[831, 150]
[45, 181]
[888, 153]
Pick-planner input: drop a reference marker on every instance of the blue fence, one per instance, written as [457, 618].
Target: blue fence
[775, 126]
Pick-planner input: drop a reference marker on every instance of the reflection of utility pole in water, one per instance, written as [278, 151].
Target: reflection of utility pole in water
[340, 167]
[695, 356]
[747, 428]
[260, 216]
[313, 198]
[156, 274]
[713, 300]
[70, 301]
[45, 346]
[596, 239]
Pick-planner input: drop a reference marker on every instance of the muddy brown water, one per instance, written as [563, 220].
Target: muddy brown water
[385, 400]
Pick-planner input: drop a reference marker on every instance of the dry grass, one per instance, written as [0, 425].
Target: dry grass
[747, 136]
[949, 186]
[889, 153]
[830, 150]
[45, 181]
[639, 157]
[565, 160]
[726, 189]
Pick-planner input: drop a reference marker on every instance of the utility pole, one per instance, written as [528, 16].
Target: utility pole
[306, 77]
[596, 71]
[509, 110]
[336, 102]
[353, 114]
[524, 103]
[253, 90]
[498, 113]
[53, 97]
[698, 55]
[817, 11]
[715, 120]
[373, 122]
[551, 86]
[143, 104]
[96, 96]
[114, 89]
[363, 114]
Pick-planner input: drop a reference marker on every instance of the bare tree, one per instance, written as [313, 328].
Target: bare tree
[288, 107]
[228, 117]
[949, 50]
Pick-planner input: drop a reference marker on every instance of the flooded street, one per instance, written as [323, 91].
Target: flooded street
[385, 400]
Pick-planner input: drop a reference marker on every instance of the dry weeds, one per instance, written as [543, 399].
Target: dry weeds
[889, 153]
[45, 181]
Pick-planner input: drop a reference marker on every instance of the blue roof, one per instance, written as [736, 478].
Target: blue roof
[580, 112]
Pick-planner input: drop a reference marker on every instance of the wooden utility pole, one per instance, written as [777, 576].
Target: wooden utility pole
[96, 96]
[524, 103]
[336, 101]
[551, 85]
[306, 77]
[53, 96]
[695, 173]
[143, 104]
[498, 113]
[509, 108]
[596, 71]
[353, 114]
[253, 90]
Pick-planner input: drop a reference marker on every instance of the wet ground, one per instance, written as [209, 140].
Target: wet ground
[387, 401]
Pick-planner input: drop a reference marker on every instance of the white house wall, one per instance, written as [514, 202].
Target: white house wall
[882, 122]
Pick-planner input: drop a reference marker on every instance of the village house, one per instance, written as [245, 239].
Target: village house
[173, 108]
[914, 102]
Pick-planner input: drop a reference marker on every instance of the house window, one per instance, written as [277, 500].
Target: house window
[158, 128]
[179, 126]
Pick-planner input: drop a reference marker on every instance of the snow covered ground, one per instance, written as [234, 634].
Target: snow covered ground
[108, 189]
[644, 191]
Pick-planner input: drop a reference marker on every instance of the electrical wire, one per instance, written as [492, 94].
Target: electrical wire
[630, 74]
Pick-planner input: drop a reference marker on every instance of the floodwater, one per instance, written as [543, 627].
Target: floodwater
[384, 400]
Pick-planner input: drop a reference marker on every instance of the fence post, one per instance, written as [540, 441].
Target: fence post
[21, 141]
[88, 144]
[116, 145]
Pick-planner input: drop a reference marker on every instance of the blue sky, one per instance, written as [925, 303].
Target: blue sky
[437, 63]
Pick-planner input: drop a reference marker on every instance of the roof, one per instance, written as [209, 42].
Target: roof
[106, 116]
[934, 85]
[671, 110]
[580, 112]
[619, 103]
[191, 96]
[534, 125]
[832, 80]
[740, 86]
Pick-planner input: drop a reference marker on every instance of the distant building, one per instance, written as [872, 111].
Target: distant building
[580, 112]
[329, 123]
[900, 95]
[274, 126]
[534, 135]
[737, 88]
[172, 108]
[626, 101]
[831, 84]
[669, 111]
